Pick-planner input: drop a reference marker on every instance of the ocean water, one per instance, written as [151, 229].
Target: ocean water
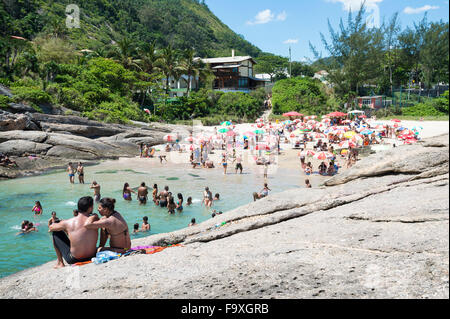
[53, 190]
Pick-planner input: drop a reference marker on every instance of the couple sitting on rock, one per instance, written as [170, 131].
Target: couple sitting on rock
[75, 239]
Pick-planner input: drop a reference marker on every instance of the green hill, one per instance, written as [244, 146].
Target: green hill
[180, 23]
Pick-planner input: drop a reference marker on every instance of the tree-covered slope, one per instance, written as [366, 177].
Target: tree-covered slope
[180, 23]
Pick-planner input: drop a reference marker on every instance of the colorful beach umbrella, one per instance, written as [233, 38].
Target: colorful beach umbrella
[259, 131]
[292, 113]
[226, 123]
[223, 130]
[350, 134]
[323, 156]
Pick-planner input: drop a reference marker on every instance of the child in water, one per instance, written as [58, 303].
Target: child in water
[171, 206]
[189, 201]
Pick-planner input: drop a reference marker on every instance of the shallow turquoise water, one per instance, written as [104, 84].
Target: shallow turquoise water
[55, 193]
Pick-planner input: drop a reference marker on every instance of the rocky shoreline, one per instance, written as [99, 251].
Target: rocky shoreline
[379, 230]
[56, 139]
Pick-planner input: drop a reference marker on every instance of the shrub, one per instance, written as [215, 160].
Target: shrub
[422, 109]
[4, 101]
[30, 94]
[239, 104]
[299, 94]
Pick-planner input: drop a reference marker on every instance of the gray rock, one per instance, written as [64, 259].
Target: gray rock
[10, 122]
[20, 147]
[5, 91]
[33, 136]
[70, 153]
[20, 108]
[81, 130]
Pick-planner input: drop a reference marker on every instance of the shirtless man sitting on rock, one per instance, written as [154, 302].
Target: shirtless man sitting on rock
[72, 240]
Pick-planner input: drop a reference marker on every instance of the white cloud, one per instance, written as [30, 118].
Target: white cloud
[372, 9]
[267, 16]
[291, 41]
[409, 10]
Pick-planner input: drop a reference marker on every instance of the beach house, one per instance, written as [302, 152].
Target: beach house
[235, 73]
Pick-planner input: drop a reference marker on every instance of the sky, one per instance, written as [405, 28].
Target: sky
[276, 25]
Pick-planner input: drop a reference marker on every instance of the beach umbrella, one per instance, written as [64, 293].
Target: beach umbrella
[317, 135]
[347, 144]
[249, 134]
[396, 120]
[307, 153]
[147, 111]
[337, 114]
[231, 133]
[291, 114]
[170, 138]
[350, 134]
[260, 125]
[367, 132]
[323, 156]
[362, 117]
[223, 130]
[357, 139]
[259, 131]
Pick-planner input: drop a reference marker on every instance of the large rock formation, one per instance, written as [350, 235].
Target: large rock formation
[72, 138]
[379, 231]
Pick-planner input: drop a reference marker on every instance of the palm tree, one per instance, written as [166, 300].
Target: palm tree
[148, 56]
[190, 66]
[168, 64]
[124, 54]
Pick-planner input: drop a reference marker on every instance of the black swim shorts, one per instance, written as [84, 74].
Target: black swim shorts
[62, 243]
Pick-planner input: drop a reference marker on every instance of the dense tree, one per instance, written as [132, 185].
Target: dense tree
[271, 64]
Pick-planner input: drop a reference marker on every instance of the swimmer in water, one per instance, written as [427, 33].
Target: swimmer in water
[126, 192]
[189, 201]
[193, 222]
[207, 197]
[142, 194]
[224, 163]
[71, 172]
[136, 228]
[145, 224]
[37, 208]
[53, 219]
[80, 172]
[180, 203]
[96, 187]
